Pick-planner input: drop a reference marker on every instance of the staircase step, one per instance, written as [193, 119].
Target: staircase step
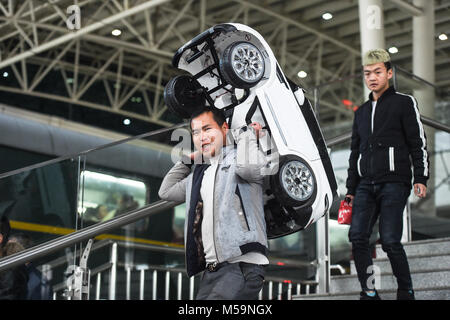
[417, 248]
[416, 263]
[441, 293]
[433, 278]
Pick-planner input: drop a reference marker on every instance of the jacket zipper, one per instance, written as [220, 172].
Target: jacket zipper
[214, 206]
[238, 192]
[371, 164]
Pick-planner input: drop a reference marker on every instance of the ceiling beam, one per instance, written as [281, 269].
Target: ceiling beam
[81, 32]
[405, 6]
[329, 38]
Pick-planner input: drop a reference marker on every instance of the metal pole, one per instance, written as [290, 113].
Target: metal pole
[270, 290]
[128, 284]
[316, 102]
[280, 290]
[423, 60]
[155, 284]
[99, 283]
[191, 288]
[179, 285]
[289, 293]
[371, 26]
[142, 284]
[395, 77]
[113, 273]
[167, 285]
[323, 253]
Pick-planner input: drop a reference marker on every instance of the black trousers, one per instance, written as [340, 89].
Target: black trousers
[386, 202]
[233, 281]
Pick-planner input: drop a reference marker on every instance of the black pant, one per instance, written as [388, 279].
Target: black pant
[385, 201]
[233, 281]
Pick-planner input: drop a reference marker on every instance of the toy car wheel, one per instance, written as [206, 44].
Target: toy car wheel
[242, 65]
[182, 95]
[295, 183]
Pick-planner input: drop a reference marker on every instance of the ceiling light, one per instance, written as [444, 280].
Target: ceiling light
[302, 74]
[116, 32]
[327, 16]
[393, 49]
[443, 37]
[5, 74]
[127, 122]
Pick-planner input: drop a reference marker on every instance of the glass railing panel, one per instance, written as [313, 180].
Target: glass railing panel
[430, 217]
[335, 102]
[121, 178]
[41, 202]
[340, 247]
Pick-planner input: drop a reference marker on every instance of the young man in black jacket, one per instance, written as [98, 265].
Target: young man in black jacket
[387, 132]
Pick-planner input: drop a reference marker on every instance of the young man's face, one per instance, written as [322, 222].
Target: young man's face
[376, 77]
[207, 135]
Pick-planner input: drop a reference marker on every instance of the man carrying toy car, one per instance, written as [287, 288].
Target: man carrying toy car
[225, 230]
[387, 131]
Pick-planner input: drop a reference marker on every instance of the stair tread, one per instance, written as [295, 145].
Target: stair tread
[356, 293]
[343, 276]
[415, 256]
[419, 242]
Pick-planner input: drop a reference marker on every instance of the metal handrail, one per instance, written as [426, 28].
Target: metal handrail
[435, 124]
[62, 242]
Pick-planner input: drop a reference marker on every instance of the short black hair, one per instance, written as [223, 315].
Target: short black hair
[218, 115]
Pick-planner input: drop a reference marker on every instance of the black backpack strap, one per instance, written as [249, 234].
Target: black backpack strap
[251, 111]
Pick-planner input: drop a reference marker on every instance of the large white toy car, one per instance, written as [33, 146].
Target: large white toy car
[231, 67]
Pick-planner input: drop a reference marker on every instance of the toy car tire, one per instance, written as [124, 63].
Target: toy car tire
[183, 96]
[295, 184]
[242, 65]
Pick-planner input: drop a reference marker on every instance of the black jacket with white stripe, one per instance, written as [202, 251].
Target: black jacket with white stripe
[398, 137]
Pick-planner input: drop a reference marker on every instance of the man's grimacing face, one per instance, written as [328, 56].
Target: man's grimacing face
[207, 135]
[376, 77]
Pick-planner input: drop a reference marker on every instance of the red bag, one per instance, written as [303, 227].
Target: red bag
[345, 212]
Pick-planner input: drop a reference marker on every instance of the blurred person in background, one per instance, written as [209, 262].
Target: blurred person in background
[13, 281]
[39, 286]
